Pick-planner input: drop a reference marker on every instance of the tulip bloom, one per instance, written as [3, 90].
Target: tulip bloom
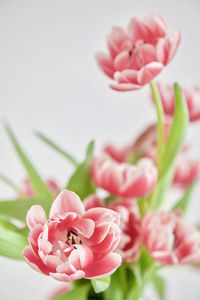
[72, 243]
[123, 179]
[119, 155]
[186, 170]
[28, 189]
[130, 224]
[169, 240]
[192, 97]
[139, 53]
[144, 146]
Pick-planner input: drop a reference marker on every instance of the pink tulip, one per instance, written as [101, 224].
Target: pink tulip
[118, 154]
[139, 53]
[131, 237]
[169, 240]
[130, 225]
[72, 243]
[144, 145]
[123, 179]
[28, 189]
[192, 97]
[186, 170]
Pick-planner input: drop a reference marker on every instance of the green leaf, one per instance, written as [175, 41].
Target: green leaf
[12, 240]
[115, 291]
[7, 181]
[100, 285]
[184, 201]
[162, 188]
[57, 148]
[159, 285]
[160, 122]
[77, 293]
[17, 209]
[177, 132]
[40, 188]
[81, 182]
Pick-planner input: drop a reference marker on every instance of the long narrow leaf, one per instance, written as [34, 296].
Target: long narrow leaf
[81, 182]
[184, 201]
[12, 240]
[17, 209]
[159, 285]
[39, 186]
[178, 130]
[57, 148]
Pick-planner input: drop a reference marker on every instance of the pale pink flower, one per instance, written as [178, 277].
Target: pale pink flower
[139, 53]
[192, 97]
[28, 189]
[72, 243]
[131, 237]
[116, 153]
[168, 240]
[130, 224]
[186, 170]
[123, 179]
[144, 146]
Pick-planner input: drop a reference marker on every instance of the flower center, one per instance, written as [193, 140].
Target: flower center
[73, 238]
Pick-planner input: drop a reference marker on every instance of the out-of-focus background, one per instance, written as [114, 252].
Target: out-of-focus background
[49, 81]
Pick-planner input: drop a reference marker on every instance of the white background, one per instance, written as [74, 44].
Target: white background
[49, 81]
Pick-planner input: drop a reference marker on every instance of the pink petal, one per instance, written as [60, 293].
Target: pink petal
[103, 267]
[68, 278]
[81, 257]
[138, 30]
[66, 201]
[123, 87]
[52, 262]
[117, 39]
[33, 237]
[92, 201]
[148, 72]
[84, 227]
[126, 76]
[122, 61]
[162, 49]
[35, 215]
[34, 262]
[175, 41]
[101, 215]
[106, 64]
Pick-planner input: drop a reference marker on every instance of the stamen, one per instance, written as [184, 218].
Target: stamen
[73, 238]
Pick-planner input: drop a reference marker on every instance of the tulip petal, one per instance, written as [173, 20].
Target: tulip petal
[106, 64]
[103, 267]
[66, 201]
[148, 72]
[35, 215]
[34, 262]
[68, 278]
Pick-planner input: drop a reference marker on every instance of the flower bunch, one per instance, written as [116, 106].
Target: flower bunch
[106, 234]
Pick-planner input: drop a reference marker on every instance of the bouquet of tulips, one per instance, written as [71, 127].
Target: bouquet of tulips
[107, 233]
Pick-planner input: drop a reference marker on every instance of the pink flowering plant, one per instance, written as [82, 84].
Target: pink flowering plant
[106, 234]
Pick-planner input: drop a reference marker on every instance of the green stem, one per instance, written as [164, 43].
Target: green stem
[123, 279]
[160, 122]
[142, 282]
